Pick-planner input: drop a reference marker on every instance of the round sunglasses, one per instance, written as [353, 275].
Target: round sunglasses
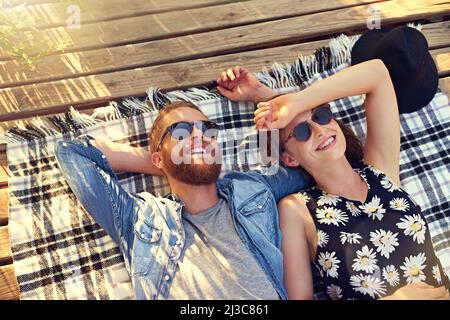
[183, 129]
[321, 115]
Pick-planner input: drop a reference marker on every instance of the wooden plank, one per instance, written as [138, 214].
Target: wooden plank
[54, 97]
[442, 59]
[437, 34]
[12, 3]
[4, 174]
[5, 246]
[105, 87]
[169, 24]
[4, 198]
[49, 15]
[444, 85]
[148, 54]
[9, 288]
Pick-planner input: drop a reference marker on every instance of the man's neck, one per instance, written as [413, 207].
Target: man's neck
[196, 199]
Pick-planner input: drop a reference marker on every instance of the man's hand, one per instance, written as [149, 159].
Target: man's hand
[238, 84]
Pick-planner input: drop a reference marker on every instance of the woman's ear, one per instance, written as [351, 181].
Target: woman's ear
[289, 160]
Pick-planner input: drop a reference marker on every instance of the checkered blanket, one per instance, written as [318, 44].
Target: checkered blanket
[59, 252]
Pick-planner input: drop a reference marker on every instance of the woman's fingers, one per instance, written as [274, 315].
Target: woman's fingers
[262, 109]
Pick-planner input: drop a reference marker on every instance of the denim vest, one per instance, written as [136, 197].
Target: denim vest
[149, 230]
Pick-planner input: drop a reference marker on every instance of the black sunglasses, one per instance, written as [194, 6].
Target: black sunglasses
[183, 129]
[321, 115]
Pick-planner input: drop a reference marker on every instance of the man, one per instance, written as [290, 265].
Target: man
[211, 238]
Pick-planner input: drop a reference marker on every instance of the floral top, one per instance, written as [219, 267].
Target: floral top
[369, 250]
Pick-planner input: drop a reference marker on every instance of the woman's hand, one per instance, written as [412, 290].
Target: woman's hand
[419, 291]
[278, 112]
[238, 84]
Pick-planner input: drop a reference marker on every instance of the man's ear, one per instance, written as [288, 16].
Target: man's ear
[157, 160]
[289, 160]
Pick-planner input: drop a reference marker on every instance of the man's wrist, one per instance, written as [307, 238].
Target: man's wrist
[264, 93]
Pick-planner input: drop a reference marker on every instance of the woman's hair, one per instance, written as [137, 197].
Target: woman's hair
[354, 151]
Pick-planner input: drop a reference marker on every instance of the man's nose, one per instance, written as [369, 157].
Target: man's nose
[197, 133]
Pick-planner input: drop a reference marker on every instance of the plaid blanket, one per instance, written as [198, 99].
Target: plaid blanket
[59, 252]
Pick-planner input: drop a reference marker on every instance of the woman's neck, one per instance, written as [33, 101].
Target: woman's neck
[340, 179]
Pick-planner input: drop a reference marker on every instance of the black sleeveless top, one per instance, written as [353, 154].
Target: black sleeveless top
[369, 250]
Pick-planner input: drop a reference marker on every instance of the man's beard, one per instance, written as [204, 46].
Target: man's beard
[193, 174]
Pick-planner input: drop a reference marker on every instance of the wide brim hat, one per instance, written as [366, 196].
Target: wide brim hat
[404, 51]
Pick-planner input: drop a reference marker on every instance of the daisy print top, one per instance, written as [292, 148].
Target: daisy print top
[369, 250]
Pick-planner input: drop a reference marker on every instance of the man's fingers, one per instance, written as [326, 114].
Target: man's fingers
[224, 76]
[237, 71]
[231, 74]
[225, 92]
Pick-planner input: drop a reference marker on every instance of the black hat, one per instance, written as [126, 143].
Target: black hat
[404, 51]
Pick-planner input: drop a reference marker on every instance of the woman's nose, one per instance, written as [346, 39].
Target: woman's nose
[318, 131]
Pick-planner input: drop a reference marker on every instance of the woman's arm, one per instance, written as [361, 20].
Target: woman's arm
[125, 158]
[419, 291]
[298, 246]
[382, 147]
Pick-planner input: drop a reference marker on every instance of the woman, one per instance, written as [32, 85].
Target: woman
[365, 235]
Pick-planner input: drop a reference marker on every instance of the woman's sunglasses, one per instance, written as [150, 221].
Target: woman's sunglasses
[321, 115]
[183, 129]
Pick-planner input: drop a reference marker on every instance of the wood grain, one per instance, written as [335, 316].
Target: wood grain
[169, 24]
[5, 246]
[47, 15]
[4, 198]
[70, 65]
[444, 85]
[101, 88]
[9, 288]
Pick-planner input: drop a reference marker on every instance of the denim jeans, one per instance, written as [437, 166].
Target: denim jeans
[149, 230]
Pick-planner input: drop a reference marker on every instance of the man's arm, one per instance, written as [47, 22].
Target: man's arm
[285, 181]
[125, 158]
[94, 183]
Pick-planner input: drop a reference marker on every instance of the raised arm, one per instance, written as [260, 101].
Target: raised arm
[382, 147]
[125, 158]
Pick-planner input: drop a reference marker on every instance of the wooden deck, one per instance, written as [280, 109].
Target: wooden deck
[123, 47]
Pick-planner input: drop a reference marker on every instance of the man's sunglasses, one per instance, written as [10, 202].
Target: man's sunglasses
[183, 129]
[321, 115]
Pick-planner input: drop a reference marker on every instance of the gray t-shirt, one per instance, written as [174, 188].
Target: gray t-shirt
[215, 263]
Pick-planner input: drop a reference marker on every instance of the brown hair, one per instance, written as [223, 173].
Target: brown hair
[354, 150]
[158, 125]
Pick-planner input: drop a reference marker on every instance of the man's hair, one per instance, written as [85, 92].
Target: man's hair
[158, 125]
